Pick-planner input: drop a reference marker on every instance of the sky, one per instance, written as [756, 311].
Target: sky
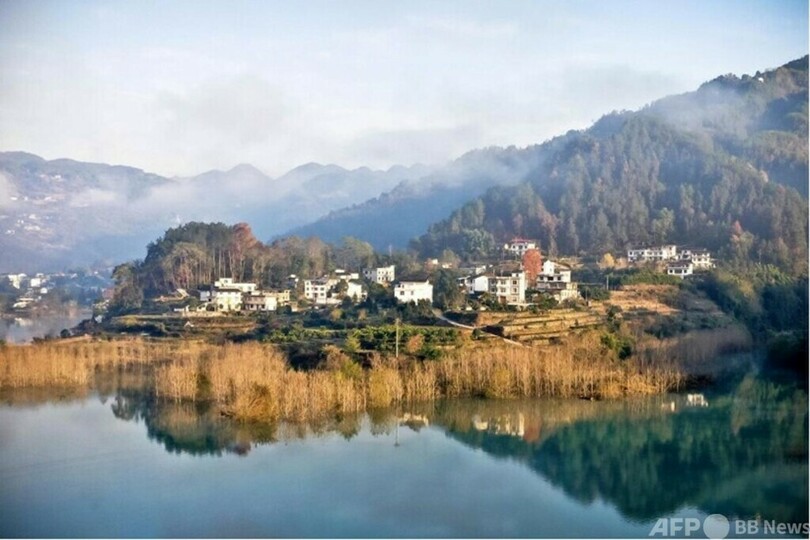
[181, 87]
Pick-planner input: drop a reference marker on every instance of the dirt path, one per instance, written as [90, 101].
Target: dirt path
[440, 316]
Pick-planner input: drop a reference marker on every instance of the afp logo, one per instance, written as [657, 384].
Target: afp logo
[715, 526]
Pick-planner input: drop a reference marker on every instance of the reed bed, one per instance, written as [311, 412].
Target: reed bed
[72, 364]
[575, 368]
[698, 352]
[253, 381]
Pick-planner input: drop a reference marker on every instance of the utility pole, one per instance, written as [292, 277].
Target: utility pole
[607, 283]
[397, 330]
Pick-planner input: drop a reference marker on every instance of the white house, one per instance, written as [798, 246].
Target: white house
[229, 283]
[473, 270]
[556, 281]
[700, 258]
[476, 284]
[509, 289]
[318, 290]
[227, 295]
[340, 273]
[413, 291]
[553, 273]
[282, 297]
[260, 301]
[680, 269]
[323, 291]
[381, 275]
[354, 290]
[519, 246]
[226, 299]
[652, 254]
[16, 280]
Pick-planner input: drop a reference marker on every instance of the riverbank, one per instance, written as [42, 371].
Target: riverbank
[254, 381]
[24, 326]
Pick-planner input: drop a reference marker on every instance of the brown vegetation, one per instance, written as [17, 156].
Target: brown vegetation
[699, 351]
[71, 364]
[252, 381]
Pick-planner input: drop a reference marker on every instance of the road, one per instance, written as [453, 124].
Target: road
[439, 315]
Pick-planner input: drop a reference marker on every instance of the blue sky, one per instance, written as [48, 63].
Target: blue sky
[178, 88]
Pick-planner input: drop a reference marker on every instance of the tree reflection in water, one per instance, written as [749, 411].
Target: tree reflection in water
[743, 455]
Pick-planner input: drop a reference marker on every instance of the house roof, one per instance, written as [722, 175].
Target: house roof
[227, 289]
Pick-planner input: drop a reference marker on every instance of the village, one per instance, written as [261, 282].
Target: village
[518, 280]
[517, 295]
[22, 294]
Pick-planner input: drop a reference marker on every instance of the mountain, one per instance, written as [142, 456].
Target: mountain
[725, 166]
[316, 190]
[50, 210]
[63, 212]
[395, 217]
[757, 123]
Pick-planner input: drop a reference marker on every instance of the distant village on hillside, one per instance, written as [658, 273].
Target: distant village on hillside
[519, 279]
[27, 293]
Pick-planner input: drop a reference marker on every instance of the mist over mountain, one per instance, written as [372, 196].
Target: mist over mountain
[395, 217]
[735, 149]
[725, 167]
[685, 168]
[62, 212]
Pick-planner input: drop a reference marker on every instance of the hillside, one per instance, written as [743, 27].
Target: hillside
[726, 161]
[59, 213]
[395, 217]
[721, 167]
[725, 166]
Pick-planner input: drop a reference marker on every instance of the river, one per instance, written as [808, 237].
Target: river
[25, 329]
[116, 462]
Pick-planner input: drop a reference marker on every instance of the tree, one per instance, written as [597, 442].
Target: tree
[446, 292]
[607, 261]
[532, 265]
[354, 254]
[663, 225]
[128, 293]
[449, 257]
[240, 249]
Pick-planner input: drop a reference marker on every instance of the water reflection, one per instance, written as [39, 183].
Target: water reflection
[654, 457]
[742, 454]
[24, 329]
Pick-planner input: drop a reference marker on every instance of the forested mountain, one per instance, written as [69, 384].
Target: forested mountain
[393, 218]
[63, 212]
[724, 167]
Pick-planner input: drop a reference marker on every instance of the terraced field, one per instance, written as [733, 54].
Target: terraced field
[526, 327]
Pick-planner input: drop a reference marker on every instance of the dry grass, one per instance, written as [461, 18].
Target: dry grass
[697, 352]
[254, 382]
[71, 364]
[644, 297]
[579, 367]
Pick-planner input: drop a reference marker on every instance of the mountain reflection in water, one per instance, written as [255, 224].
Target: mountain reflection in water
[742, 454]
[648, 457]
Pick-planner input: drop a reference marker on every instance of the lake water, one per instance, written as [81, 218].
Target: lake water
[120, 464]
[24, 329]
